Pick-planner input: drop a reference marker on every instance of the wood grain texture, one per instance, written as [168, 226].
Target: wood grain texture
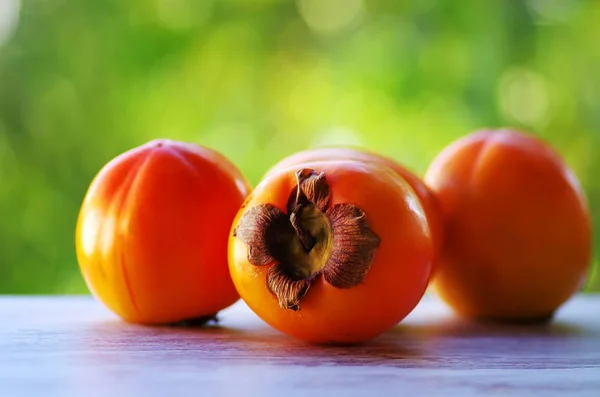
[72, 346]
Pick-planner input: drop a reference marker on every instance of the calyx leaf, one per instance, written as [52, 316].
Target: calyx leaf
[311, 240]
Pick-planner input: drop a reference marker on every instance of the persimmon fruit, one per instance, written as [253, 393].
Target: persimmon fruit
[152, 232]
[517, 227]
[327, 153]
[337, 253]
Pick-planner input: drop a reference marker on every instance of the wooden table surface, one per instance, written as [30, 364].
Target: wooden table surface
[72, 346]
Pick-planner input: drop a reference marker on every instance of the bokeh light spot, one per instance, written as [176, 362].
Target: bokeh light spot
[9, 18]
[177, 14]
[329, 17]
[524, 97]
[337, 136]
[553, 11]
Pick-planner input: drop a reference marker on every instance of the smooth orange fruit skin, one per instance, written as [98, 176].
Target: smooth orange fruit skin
[518, 240]
[152, 232]
[398, 276]
[428, 199]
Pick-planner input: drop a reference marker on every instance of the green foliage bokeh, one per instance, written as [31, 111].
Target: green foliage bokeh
[84, 80]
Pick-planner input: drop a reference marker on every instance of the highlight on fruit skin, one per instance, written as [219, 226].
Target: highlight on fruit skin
[334, 153]
[337, 253]
[517, 227]
[152, 232]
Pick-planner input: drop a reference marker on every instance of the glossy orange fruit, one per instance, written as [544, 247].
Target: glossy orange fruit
[336, 253]
[152, 232]
[427, 199]
[518, 238]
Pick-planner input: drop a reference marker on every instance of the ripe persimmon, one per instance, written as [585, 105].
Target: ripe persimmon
[336, 253]
[518, 238]
[152, 232]
[327, 153]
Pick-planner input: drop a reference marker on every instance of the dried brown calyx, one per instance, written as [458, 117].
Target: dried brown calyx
[311, 240]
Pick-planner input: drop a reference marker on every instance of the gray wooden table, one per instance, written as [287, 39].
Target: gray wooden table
[72, 346]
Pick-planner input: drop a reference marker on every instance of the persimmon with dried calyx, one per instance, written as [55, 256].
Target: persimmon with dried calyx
[518, 239]
[336, 253]
[335, 153]
[152, 232]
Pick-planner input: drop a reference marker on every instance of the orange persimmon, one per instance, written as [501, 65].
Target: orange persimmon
[327, 153]
[336, 253]
[152, 232]
[518, 239]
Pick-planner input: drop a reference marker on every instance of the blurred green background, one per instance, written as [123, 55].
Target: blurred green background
[84, 80]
